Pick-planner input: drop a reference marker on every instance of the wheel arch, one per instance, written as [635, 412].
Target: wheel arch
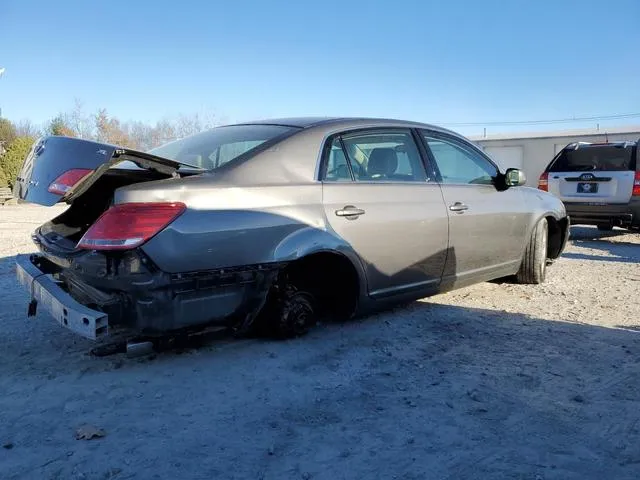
[310, 241]
[558, 231]
[331, 277]
[558, 235]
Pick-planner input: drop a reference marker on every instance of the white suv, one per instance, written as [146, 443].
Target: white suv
[599, 183]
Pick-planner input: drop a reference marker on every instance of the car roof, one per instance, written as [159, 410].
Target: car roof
[301, 149]
[581, 145]
[308, 122]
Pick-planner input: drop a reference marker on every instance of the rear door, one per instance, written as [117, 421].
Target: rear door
[378, 198]
[593, 173]
[59, 168]
[487, 227]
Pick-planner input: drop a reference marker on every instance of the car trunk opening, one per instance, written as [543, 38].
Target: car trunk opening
[85, 175]
[67, 229]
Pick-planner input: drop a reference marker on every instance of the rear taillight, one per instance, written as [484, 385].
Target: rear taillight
[636, 185]
[129, 225]
[543, 182]
[67, 180]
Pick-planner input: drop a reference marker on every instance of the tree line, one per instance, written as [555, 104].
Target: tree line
[17, 138]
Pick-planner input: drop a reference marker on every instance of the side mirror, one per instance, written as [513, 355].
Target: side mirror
[514, 177]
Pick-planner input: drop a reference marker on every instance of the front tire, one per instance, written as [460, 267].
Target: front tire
[533, 269]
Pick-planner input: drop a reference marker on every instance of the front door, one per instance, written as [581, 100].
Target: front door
[487, 227]
[377, 197]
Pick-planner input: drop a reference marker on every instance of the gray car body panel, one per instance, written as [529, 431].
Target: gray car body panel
[272, 208]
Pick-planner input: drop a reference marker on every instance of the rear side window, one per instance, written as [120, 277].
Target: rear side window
[377, 155]
[337, 169]
[603, 158]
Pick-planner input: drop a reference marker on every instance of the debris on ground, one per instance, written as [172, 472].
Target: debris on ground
[89, 432]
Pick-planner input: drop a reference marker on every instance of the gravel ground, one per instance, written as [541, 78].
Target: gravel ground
[493, 381]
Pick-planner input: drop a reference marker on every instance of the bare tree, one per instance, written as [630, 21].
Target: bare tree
[109, 130]
[26, 128]
[104, 127]
[59, 125]
[140, 135]
[186, 125]
[163, 132]
[80, 121]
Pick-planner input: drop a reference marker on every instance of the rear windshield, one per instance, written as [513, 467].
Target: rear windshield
[218, 146]
[606, 158]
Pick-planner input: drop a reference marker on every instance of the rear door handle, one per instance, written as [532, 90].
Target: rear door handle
[458, 207]
[350, 212]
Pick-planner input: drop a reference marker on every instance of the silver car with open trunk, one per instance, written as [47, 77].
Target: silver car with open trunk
[274, 224]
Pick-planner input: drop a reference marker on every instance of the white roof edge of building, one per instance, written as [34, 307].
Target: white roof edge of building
[634, 129]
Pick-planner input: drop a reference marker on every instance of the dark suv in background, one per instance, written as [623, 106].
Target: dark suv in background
[599, 183]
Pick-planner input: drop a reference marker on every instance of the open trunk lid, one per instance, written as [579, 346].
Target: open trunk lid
[83, 161]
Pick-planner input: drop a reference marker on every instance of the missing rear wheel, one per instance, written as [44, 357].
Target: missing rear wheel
[289, 313]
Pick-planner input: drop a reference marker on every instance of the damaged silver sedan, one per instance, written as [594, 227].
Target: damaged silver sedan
[275, 224]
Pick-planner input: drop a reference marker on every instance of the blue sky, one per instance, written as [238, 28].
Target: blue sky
[435, 61]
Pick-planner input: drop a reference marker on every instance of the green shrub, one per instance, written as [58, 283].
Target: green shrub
[12, 159]
[4, 181]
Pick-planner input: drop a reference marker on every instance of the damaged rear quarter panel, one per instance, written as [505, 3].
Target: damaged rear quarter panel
[234, 226]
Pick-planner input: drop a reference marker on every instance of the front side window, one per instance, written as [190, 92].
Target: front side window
[376, 156]
[459, 164]
[216, 147]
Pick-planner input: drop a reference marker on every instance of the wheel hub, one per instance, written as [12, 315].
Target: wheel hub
[297, 313]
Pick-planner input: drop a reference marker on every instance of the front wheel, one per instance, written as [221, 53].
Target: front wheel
[533, 269]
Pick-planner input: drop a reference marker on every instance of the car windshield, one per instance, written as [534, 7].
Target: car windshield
[218, 146]
[606, 158]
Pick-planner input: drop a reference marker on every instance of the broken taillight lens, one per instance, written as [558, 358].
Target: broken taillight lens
[543, 181]
[68, 180]
[129, 225]
[636, 185]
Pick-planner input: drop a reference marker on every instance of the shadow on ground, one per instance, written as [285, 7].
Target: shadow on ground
[424, 391]
[7, 266]
[592, 233]
[605, 242]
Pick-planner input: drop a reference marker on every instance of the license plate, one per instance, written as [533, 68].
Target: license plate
[587, 187]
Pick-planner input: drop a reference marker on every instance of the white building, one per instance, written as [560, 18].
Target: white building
[531, 152]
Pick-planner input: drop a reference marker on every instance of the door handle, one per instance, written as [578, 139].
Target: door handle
[458, 207]
[350, 212]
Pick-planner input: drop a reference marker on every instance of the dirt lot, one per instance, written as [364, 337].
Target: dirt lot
[493, 381]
